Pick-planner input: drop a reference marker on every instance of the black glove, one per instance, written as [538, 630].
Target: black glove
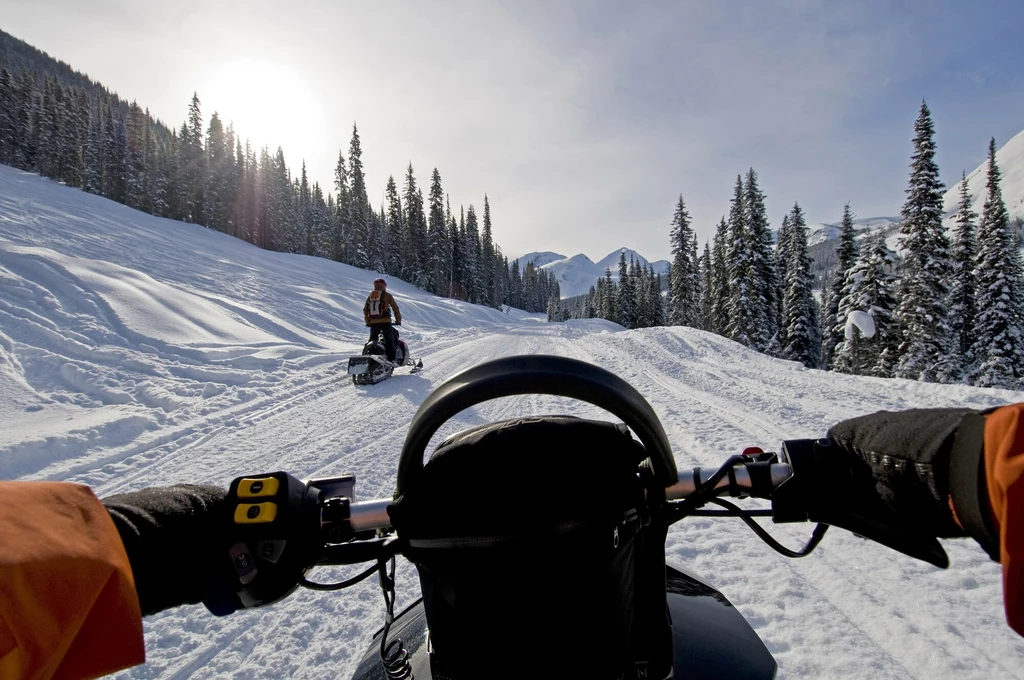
[174, 540]
[924, 464]
[244, 547]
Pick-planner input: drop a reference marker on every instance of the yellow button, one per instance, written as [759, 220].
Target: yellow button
[255, 513]
[258, 488]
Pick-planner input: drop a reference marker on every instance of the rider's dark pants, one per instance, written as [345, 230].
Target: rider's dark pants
[389, 338]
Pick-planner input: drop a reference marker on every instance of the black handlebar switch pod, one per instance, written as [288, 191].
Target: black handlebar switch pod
[273, 521]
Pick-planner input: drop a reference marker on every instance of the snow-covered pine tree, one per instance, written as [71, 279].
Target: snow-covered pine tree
[414, 232]
[610, 303]
[683, 292]
[626, 299]
[7, 116]
[870, 287]
[74, 131]
[359, 204]
[782, 251]
[834, 327]
[761, 266]
[487, 259]
[302, 232]
[392, 235]
[999, 339]
[642, 294]
[438, 247]
[340, 239]
[457, 282]
[962, 293]
[742, 288]
[707, 294]
[25, 149]
[927, 266]
[720, 279]
[213, 190]
[193, 165]
[658, 301]
[115, 165]
[799, 313]
[156, 181]
[472, 246]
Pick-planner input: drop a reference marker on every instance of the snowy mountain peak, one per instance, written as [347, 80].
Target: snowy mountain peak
[539, 259]
[612, 259]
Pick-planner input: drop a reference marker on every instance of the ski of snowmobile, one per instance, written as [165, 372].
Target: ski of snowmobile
[370, 369]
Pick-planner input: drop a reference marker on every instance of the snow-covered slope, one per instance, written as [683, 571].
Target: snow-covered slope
[137, 351]
[1010, 159]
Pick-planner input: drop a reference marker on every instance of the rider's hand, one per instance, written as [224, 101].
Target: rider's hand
[245, 547]
[927, 465]
[173, 537]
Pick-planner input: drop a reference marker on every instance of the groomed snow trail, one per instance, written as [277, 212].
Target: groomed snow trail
[124, 365]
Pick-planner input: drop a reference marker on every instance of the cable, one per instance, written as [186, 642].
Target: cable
[702, 493]
[341, 584]
[393, 656]
[816, 535]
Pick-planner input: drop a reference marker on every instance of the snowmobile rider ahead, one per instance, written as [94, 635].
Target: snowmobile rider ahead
[78, 574]
[377, 312]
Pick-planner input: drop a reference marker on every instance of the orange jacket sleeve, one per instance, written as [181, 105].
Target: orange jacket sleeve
[68, 607]
[1004, 476]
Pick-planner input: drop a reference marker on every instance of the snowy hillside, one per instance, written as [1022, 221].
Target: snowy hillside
[1010, 159]
[137, 351]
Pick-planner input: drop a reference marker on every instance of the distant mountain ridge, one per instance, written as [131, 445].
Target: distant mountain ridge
[824, 231]
[578, 273]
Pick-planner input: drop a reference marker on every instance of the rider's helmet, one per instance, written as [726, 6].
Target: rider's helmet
[380, 283]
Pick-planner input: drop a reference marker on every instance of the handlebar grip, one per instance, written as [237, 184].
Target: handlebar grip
[757, 479]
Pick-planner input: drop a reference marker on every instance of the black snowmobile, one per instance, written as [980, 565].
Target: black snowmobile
[540, 541]
[373, 367]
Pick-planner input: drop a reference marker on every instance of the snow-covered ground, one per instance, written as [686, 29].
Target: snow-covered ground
[137, 351]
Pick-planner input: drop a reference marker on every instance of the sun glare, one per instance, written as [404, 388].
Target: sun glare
[269, 104]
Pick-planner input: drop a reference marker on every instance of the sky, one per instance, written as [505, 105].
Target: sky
[582, 121]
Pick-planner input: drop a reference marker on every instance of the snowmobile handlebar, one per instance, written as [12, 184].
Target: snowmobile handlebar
[344, 522]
